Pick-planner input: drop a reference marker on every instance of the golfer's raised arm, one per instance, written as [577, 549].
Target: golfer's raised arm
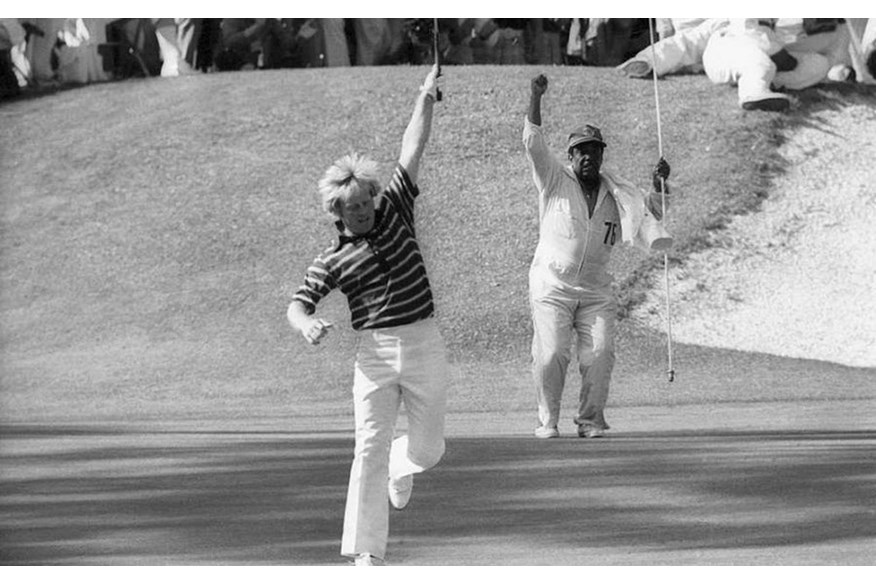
[417, 132]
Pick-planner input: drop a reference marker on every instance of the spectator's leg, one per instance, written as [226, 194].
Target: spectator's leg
[336, 50]
[680, 52]
[811, 69]
[39, 49]
[738, 60]
[8, 81]
[172, 54]
[188, 34]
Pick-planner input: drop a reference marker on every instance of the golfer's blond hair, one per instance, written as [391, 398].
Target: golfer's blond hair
[347, 176]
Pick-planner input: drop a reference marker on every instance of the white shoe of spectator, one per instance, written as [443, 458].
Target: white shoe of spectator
[636, 69]
[840, 73]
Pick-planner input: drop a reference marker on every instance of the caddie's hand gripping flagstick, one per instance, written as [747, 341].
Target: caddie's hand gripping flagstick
[437, 55]
[670, 371]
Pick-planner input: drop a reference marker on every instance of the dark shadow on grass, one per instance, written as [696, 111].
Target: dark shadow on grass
[668, 492]
[160, 499]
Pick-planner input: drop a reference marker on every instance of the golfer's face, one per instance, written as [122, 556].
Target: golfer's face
[357, 211]
[586, 159]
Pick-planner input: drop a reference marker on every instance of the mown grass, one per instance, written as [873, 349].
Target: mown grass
[153, 232]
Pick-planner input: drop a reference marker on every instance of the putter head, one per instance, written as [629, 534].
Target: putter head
[671, 373]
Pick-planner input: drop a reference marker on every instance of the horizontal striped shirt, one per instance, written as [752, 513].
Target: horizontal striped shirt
[381, 273]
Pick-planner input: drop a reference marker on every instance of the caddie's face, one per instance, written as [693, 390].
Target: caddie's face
[357, 210]
[586, 160]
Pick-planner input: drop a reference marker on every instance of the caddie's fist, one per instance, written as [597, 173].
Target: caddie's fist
[661, 171]
[539, 85]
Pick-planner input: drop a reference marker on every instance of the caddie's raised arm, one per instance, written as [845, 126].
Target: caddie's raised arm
[420, 126]
[546, 167]
[538, 87]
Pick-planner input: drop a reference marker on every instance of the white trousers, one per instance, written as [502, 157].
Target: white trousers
[560, 313]
[405, 364]
[739, 59]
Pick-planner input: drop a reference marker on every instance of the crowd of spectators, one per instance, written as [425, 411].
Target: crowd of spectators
[48, 52]
[51, 52]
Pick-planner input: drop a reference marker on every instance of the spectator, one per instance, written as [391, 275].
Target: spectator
[546, 34]
[251, 43]
[336, 50]
[379, 41]
[747, 53]
[681, 52]
[484, 40]
[79, 60]
[12, 36]
[605, 41]
[178, 42]
[575, 41]
[459, 33]
[510, 48]
[831, 38]
[40, 51]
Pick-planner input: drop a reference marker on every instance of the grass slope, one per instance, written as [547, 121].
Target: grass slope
[153, 232]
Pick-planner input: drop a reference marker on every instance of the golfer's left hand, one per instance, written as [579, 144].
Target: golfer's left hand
[316, 330]
[661, 171]
[430, 85]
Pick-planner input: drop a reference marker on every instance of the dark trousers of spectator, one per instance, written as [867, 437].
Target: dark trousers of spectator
[8, 81]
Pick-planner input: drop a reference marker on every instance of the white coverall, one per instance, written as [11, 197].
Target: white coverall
[570, 287]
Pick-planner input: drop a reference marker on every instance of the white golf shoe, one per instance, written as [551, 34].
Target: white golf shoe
[400, 491]
[367, 560]
[547, 432]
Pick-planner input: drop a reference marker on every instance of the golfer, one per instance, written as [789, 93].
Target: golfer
[400, 357]
[584, 212]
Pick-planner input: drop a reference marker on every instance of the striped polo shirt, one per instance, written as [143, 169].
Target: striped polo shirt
[381, 273]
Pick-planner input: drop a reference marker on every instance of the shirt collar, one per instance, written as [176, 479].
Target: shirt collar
[344, 239]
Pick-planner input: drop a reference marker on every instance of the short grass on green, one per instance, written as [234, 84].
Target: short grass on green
[153, 232]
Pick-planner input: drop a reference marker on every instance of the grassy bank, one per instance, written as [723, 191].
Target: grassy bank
[153, 232]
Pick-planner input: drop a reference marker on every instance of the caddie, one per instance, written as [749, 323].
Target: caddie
[584, 211]
[378, 266]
